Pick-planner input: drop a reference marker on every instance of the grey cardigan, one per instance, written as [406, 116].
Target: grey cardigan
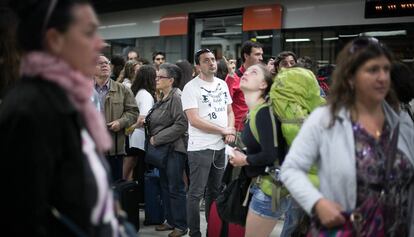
[333, 151]
[168, 123]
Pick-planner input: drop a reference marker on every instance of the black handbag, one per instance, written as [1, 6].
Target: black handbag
[232, 201]
[157, 155]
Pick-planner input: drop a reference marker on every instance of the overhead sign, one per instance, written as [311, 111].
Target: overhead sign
[388, 8]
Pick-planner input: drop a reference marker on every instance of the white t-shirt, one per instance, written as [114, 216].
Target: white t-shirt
[127, 83]
[145, 103]
[211, 99]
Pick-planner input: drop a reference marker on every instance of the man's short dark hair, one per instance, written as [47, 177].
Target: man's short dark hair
[157, 53]
[199, 53]
[246, 48]
[283, 55]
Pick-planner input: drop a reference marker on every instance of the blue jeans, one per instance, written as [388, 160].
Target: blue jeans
[173, 191]
[292, 217]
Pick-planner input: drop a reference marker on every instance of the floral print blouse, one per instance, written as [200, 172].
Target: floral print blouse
[391, 214]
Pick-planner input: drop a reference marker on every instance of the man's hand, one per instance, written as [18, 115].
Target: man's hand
[229, 67]
[114, 126]
[228, 131]
[329, 213]
[228, 139]
[152, 141]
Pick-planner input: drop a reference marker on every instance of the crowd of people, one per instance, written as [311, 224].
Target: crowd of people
[332, 150]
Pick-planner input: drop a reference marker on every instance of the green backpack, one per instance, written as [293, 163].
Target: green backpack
[294, 94]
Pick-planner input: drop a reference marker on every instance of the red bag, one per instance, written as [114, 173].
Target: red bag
[217, 228]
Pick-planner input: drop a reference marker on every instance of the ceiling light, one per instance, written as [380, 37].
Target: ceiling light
[348, 36]
[264, 36]
[330, 38]
[384, 33]
[226, 33]
[297, 40]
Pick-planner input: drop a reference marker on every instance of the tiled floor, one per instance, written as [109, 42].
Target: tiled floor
[148, 231]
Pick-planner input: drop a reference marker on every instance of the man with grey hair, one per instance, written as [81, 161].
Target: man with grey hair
[120, 110]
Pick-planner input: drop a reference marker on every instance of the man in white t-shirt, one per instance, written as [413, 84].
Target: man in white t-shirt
[207, 104]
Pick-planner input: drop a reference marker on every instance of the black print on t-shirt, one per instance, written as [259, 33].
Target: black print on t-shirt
[216, 99]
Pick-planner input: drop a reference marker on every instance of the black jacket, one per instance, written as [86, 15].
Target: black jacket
[42, 162]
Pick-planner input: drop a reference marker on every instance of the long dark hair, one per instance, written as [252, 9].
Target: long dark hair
[129, 71]
[187, 72]
[144, 79]
[222, 69]
[36, 16]
[402, 78]
[349, 60]
[9, 53]
[118, 62]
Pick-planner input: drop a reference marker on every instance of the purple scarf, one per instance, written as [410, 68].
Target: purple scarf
[78, 88]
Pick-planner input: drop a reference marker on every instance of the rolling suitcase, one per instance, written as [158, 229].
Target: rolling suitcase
[154, 213]
[218, 228]
[128, 193]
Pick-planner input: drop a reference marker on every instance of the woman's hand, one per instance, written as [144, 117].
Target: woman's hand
[239, 159]
[152, 141]
[329, 213]
[140, 121]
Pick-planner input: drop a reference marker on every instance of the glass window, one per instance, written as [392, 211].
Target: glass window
[222, 35]
[323, 44]
[171, 45]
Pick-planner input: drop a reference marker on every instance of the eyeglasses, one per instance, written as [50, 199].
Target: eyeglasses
[49, 12]
[161, 77]
[363, 42]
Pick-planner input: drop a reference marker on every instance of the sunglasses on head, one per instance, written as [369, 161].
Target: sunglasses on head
[363, 42]
[201, 51]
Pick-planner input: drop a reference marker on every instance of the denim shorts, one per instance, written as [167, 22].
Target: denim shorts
[261, 204]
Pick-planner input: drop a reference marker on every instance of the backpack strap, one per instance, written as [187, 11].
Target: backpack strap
[252, 120]
[277, 191]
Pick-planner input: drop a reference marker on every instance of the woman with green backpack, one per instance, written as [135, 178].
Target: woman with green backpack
[265, 151]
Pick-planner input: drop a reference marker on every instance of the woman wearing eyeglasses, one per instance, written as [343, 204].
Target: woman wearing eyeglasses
[365, 162]
[168, 125]
[52, 138]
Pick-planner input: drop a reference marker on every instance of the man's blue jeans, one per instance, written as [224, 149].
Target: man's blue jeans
[173, 191]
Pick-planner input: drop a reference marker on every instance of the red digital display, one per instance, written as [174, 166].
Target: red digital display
[378, 8]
